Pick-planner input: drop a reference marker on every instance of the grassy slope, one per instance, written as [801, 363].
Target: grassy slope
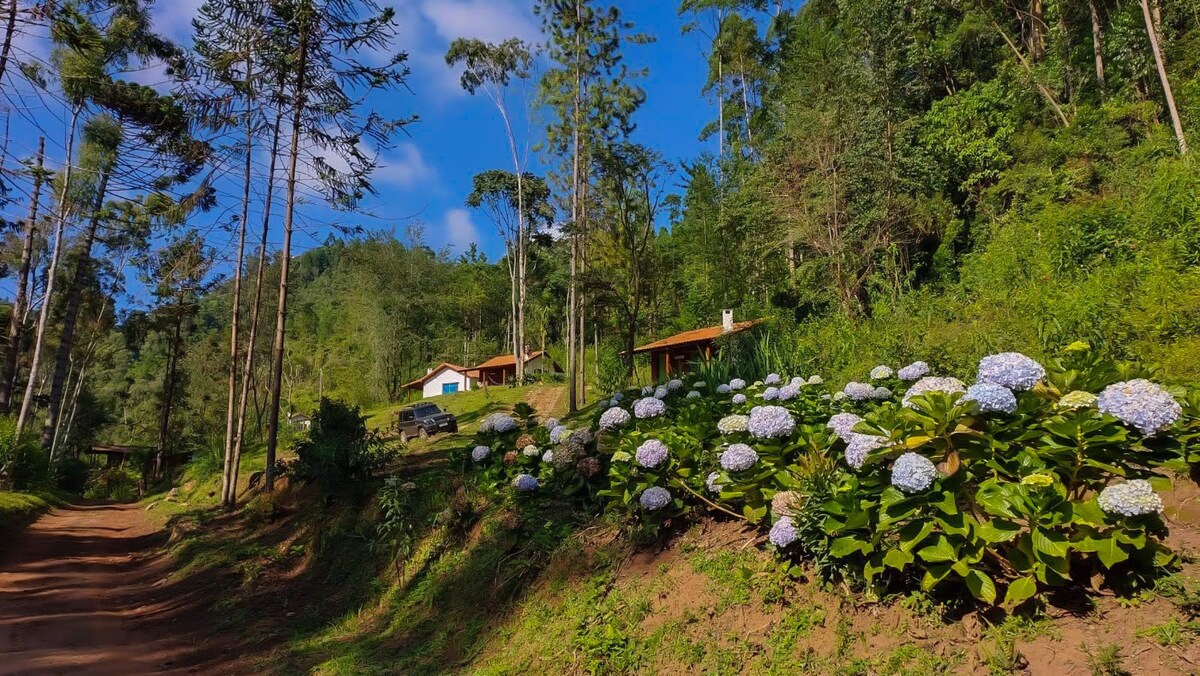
[488, 586]
[18, 509]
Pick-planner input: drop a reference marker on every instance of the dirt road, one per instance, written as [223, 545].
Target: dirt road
[82, 591]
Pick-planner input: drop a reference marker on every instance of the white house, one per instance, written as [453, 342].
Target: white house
[445, 378]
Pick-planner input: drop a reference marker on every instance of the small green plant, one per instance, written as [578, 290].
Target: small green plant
[339, 452]
[1106, 661]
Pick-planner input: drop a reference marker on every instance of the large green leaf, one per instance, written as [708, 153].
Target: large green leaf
[940, 551]
[913, 533]
[897, 558]
[1019, 590]
[1049, 543]
[998, 530]
[981, 586]
[1107, 548]
[845, 546]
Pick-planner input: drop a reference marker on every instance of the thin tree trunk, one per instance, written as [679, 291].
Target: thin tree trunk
[1160, 62]
[230, 498]
[572, 286]
[236, 303]
[1042, 89]
[51, 274]
[83, 265]
[582, 250]
[284, 269]
[1097, 44]
[9, 28]
[8, 377]
[164, 420]
[1037, 30]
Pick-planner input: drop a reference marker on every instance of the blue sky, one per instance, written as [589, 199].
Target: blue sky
[425, 178]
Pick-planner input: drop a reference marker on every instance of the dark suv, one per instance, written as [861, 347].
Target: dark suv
[424, 421]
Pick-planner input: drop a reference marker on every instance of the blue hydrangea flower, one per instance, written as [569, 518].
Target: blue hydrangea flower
[770, 394]
[651, 453]
[722, 389]
[693, 395]
[647, 390]
[711, 483]
[881, 393]
[551, 423]
[931, 384]
[614, 418]
[769, 422]
[816, 380]
[1130, 498]
[655, 497]
[603, 404]
[1012, 370]
[737, 384]
[991, 398]
[660, 393]
[738, 457]
[648, 407]
[797, 382]
[559, 433]
[843, 424]
[1140, 403]
[858, 446]
[732, 424]
[783, 533]
[548, 456]
[480, 453]
[772, 379]
[739, 398]
[674, 384]
[617, 396]
[499, 423]
[525, 483]
[789, 392]
[914, 371]
[881, 372]
[913, 473]
[531, 451]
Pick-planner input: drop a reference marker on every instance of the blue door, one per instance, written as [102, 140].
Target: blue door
[449, 388]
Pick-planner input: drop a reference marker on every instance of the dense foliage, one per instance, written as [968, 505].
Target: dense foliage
[1034, 477]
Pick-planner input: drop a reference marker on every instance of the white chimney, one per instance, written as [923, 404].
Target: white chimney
[726, 321]
[429, 370]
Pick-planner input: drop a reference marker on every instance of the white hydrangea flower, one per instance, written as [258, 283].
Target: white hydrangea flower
[932, 384]
[1142, 404]
[772, 379]
[816, 380]
[548, 456]
[881, 372]
[723, 389]
[1130, 498]
[1077, 399]
[1012, 370]
[732, 424]
[647, 390]
[858, 446]
[856, 391]
[739, 398]
[913, 473]
[712, 484]
[769, 422]
[531, 451]
[675, 384]
[737, 384]
[843, 424]
[692, 395]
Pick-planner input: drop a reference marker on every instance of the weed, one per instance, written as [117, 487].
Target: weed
[1107, 661]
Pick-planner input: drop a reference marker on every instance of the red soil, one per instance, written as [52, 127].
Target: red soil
[84, 591]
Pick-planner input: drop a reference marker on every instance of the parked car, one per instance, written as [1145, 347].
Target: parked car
[424, 421]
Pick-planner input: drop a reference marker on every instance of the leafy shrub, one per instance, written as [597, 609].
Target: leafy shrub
[72, 475]
[22, 462]
[338, 451]
[999, 492]
[112, 483]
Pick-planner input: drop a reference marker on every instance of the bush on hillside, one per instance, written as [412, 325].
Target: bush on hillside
[1033, 477]
[338, 451]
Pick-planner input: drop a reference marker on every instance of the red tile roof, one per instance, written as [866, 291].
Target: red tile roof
[420, 382]
[694, 336]
[505, 360]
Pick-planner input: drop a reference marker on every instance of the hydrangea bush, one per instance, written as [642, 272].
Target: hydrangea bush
[1038, 475]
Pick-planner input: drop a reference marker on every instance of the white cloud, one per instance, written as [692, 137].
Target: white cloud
[488, 20]
[405, 167]
[458, 229]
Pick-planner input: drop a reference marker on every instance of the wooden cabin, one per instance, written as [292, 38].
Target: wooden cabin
[680, 353]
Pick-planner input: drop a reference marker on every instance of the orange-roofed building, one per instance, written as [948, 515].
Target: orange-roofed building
[502, 370]
[681, 352]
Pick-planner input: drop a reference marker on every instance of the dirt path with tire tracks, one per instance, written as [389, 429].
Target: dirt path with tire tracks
[84, 590]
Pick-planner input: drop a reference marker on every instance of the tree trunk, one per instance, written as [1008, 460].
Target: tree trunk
[1097, 44]
[573, 284]
[8, 377]
[236, 302]
[51, 274]
[83, 266]
[10, 26]
[164, 419]
[284, 268]
[1037, 30]
[582, 251]
[1160, 62]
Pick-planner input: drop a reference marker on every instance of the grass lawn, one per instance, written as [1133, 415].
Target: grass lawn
[19, 509]
[473, 406]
